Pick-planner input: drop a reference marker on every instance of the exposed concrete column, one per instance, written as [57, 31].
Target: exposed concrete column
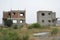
[18, 18]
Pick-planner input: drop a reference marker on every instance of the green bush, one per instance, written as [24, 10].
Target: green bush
[54, 31]
[8, 22]
[9, 35]
[37, 25]
[34, 25]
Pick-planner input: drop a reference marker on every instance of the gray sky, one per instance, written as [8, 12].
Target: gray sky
[31, 7]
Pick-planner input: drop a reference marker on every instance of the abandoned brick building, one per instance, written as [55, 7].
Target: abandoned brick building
[17, 16]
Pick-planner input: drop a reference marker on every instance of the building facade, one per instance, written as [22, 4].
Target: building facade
[47, 18]
[17, 16]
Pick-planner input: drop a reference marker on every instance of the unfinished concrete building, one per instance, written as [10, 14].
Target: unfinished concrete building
[17, 16]
[47, 18]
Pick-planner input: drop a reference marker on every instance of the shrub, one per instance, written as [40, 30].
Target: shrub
[8, 22]
[9, 35]
[54, 31]
[25, 37]
[34, 25]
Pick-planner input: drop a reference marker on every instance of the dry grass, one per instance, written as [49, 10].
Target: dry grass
[30, 32]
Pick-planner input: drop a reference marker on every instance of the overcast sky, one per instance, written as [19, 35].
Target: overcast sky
[31, 7]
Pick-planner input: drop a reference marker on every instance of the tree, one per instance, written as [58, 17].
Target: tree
[8, 22]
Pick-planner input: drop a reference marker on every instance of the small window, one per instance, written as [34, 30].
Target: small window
[21, 14]
[42, 14]
[49, 20]
[14, 21]
[49, 13]
[42, 20]
[13, 13]
[9, 13]
[21, 21]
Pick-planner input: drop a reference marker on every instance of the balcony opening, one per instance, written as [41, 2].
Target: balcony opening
[14, 21]
[9, 15]
[21, 21]
[21, 14]
[13, 13]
